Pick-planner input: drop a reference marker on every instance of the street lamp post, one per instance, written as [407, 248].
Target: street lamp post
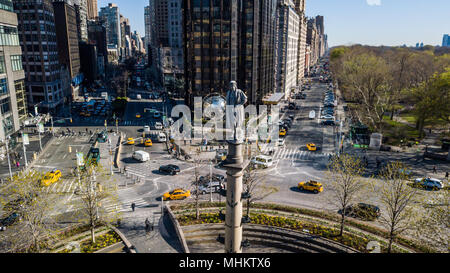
[24, 150]
[7, 154]
[39, 132]
[53, 132]
[110, 156]
[210, 182]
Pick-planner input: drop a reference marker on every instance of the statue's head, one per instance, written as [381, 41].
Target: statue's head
[233, 86]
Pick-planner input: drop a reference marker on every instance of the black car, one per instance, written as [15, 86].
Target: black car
[287, 121]
[169, 169]
[363, 211]
[9, 220]
[328, 122]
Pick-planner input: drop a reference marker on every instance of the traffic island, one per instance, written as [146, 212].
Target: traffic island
[357, 234]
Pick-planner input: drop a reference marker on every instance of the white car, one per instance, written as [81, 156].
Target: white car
[281, 141]
[262, 161]
[312, 114]
[327, 117]
[147, 129]
[429, 183]
[158, 126]
[162, 137]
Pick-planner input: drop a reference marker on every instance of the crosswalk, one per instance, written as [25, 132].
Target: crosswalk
[295, 154]
[112, 206]
[62, 187]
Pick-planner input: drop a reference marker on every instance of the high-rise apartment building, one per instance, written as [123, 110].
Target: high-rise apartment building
[82, 17]
[12, 86]
[321, 33]
[229, 40]
[125, 31]
[148, 26]
[446, 40]
[43, 71]
[92, 11]
[111, 16]
[287, 47]
[164, 34]
[300, 7]
[67, 39]
[97, 36]
[313, 39]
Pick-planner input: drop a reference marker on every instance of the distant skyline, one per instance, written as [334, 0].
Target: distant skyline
[383, 22]
[367, 22]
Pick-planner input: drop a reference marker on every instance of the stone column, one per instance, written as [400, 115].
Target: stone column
[233, 222]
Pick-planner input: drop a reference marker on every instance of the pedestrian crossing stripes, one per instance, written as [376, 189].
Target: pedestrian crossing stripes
[66, 186]
[110, 206]
[295, 154]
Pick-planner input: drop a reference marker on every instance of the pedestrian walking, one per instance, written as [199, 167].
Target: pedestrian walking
[18, 164]
[133, 206]
[147, 225]
[434, 169]
[446, 175]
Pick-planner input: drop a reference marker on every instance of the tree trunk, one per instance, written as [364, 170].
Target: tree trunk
[391, 240]
[421, 126]
[341, 232]
[197, 209]
[93, 234]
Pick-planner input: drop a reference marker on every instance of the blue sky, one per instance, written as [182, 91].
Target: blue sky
[370, 22]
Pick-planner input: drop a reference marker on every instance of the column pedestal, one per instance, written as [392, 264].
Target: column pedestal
[235, 165]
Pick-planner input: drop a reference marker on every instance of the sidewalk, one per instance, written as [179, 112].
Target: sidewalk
[17, 154]
[162, 239]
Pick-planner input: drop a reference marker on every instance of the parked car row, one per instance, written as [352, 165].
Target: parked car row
[328, 113]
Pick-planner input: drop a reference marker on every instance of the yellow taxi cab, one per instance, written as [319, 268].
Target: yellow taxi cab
[283, 132]
[313, 186]
[311, 147]
[51, 178]
[148, 143]
[130, 141]
[177, 194]
[138, 115]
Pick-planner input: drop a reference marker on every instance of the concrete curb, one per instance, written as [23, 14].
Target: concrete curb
[178, 229]
[109, 248]
[127, 243]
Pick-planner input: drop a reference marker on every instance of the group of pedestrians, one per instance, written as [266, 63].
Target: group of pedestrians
[148, 226]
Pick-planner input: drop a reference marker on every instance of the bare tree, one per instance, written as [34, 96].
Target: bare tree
[434, 222]
[396, 197]
[255, 187]
[367, 77]
[344, 174]
[196, 183]
[95, 189]
[32, 207]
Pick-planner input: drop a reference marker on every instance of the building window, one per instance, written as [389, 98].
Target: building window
[6, 5]
[8, 125]
[5, 106]
[2, 64]
[9, 36]
[16, 62]
[21, 99]
[3, 86]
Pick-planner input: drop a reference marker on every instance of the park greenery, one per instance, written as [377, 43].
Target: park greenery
[391, 82]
